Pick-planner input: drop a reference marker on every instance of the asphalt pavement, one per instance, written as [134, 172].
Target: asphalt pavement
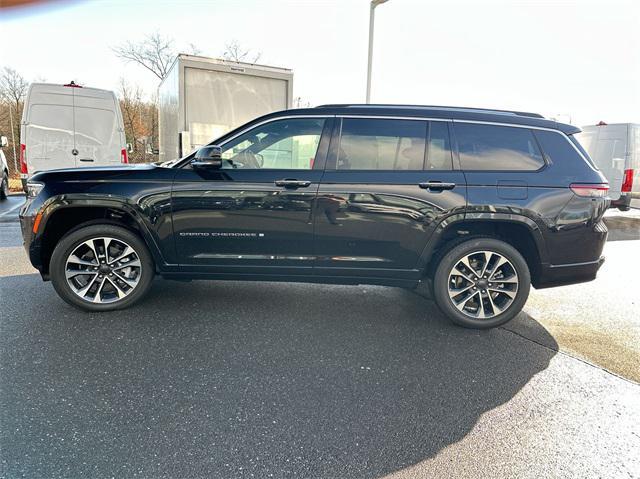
[241, 379]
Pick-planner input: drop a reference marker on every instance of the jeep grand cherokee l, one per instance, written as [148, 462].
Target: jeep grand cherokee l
[476, 204]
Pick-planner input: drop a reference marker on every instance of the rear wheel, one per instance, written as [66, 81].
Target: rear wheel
[101, 268]
[482, 283]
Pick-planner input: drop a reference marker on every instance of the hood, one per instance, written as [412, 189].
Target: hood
[99, 173]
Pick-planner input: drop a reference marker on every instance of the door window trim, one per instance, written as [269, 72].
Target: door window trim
[320, 157]
[482, 122]
[332, 156]
[186, 159]
[456, 164]
[334, 148]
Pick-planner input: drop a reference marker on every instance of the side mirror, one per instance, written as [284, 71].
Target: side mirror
[208, 157]
[3, 141]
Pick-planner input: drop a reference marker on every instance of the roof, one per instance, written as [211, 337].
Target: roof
[60, 89]
[435, 112]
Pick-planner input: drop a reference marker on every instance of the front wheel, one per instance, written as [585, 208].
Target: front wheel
[481, 283]
[101, 268]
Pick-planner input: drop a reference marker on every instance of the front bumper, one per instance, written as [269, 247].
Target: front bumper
[31, 244]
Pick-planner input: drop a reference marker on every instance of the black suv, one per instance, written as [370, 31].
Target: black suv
[476, 204]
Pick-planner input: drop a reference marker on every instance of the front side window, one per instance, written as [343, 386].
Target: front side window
[289, 144]
[371, 144]
[491, 147]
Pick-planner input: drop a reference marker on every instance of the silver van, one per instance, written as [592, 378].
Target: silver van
[68, 126]
[615, 149]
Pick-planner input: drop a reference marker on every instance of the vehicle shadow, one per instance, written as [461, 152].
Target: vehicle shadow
[213, 379]
[622, 227]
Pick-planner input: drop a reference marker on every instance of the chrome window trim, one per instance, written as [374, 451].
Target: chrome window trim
[482, 122]
[387, 117]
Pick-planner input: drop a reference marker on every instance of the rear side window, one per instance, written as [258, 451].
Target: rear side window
[371, 144]
[491, 147]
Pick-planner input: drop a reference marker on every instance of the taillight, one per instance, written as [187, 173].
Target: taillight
[123, 156]
[23, 159]
[590, 190]
[627, 183]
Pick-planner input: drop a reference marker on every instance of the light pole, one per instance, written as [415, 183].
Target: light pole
[372, 8]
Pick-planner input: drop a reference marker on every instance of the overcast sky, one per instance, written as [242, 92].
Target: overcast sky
[570, 58]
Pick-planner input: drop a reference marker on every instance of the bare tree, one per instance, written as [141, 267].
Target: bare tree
[13, 89]
[13, 86]
[234, 52]
[194, 50]
[155, 53]
[140, 121]
[130, 102]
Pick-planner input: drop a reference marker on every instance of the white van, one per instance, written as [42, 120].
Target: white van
[615, 149]
[68, 126]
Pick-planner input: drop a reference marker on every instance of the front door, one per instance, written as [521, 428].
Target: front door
[254, 215]
[387, 184]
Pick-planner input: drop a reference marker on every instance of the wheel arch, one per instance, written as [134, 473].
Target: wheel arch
[518, 231]
[61, 219]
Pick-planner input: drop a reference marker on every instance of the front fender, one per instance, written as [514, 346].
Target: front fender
[151, 218]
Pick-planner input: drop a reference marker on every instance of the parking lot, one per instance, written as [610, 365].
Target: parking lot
[232, 379]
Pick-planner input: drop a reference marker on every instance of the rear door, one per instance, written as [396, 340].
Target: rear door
[254, 215]
[49, 137]
[610, 155]
[387, 184]
[633, 164]
[97, 129]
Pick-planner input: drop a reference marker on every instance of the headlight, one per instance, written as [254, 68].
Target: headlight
[34, 188]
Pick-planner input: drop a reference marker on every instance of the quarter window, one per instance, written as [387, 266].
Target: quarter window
[370, 144]
[558, 150]
[284, 144]
[491, 147]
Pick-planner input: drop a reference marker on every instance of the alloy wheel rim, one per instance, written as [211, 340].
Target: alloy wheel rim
[483, 284]
[103, 270]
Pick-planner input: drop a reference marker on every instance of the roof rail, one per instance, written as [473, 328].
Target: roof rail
[431, 107]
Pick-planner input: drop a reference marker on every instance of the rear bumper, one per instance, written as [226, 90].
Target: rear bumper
[563, 274]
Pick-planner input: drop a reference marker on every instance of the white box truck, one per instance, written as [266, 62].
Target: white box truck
[202, 98]
[615, 150]
[70, 126]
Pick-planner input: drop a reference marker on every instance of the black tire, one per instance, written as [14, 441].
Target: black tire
[4, 186]
[69, 243]
[454, 256]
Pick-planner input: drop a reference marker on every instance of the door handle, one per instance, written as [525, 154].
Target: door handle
[289, 183]
[436, 185]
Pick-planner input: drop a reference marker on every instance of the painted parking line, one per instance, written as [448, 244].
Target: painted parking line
[11, 209]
